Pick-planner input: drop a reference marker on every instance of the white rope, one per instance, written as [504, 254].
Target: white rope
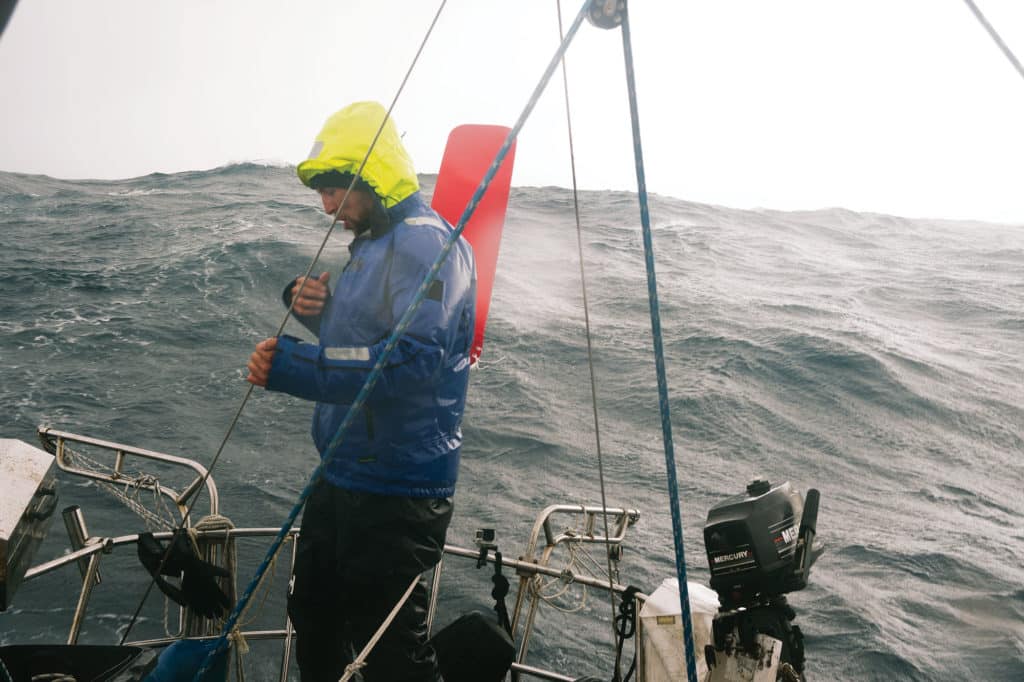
[360, 661]
[128, 490]
[229, 561]
[213, 523]
[167, 620]
[550, 599]
[541, 588]
[559, 587]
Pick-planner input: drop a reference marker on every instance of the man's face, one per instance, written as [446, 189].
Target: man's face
[358, 207]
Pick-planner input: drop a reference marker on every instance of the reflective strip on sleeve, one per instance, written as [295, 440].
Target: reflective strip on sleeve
[343, 353]
[423, 220]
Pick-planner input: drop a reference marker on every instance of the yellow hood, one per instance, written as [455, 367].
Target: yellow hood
[343, 142]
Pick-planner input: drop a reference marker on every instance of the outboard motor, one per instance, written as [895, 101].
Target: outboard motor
[760, 547]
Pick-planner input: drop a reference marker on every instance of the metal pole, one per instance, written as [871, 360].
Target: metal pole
[83, 598]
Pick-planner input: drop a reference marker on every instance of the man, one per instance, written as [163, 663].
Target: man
[378, 517]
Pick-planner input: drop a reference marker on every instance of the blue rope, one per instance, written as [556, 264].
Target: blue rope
[659, 359]
[403, 323]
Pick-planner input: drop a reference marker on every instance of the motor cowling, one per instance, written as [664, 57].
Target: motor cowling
[753, 543]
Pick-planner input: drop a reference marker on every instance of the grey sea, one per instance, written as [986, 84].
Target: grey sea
[878, 359]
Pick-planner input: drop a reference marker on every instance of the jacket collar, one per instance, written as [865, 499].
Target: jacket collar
[396, 214]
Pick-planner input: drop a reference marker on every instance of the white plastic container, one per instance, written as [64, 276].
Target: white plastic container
[664, 658]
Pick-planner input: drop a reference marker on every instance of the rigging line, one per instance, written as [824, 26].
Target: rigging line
[995, 36]
[400, 327]
[360, 660]
[291, 305]
[586, 322]
[659, 356]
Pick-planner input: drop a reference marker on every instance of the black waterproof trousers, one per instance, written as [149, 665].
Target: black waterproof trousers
[357, 554]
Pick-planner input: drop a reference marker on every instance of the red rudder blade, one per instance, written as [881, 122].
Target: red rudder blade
[468, 155]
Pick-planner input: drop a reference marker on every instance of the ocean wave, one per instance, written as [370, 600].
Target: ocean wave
[872, 357]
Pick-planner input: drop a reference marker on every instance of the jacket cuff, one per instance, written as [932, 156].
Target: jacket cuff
[293, 369]
[286, 295]
[310, 322]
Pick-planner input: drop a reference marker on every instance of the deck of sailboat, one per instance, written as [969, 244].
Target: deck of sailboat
[557, 528]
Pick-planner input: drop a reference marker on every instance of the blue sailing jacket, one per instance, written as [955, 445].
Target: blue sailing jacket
[407, 440]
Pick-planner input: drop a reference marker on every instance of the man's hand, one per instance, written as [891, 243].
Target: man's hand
[310, 302]
[260, 361]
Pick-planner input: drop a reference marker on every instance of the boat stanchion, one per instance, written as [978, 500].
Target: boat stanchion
[78, 535]
[89, 580]
[435, 593]
[289, 629]
[89, 567]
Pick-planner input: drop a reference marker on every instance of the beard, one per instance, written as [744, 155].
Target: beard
[376, 218]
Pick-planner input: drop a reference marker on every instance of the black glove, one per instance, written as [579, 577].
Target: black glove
[199, 589]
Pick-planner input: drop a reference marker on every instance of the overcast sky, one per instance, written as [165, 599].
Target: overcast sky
[895, 106]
